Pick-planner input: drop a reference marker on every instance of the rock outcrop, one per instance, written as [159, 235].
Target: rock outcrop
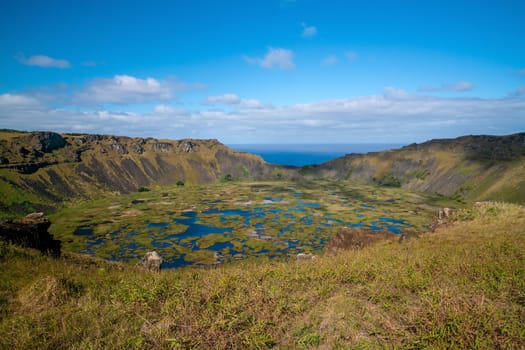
[45, 141]
[31, 232]
[443, 216]
[150, 262]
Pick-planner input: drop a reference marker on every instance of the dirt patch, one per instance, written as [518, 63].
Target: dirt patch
[132, 212]
[357, 238]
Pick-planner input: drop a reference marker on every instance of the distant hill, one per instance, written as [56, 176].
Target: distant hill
[40, 169]
[466, 168]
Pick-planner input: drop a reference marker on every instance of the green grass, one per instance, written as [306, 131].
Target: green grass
[462, 286]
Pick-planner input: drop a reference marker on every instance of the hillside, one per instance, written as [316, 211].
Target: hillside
[40, 169]
[467, 168]
[462, 286]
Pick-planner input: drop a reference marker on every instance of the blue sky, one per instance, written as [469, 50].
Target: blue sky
[273, 71]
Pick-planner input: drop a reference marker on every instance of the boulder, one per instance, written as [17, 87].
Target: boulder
[150, 262]
[443, 216]
[219, 258]
[306, 256]
[31, 231]
[444, 213]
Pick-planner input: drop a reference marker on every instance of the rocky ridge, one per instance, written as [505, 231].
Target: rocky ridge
[45, 168]
[40, 169]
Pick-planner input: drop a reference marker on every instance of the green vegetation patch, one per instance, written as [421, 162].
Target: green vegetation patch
[273, 218]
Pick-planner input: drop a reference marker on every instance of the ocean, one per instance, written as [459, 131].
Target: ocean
[307, 154]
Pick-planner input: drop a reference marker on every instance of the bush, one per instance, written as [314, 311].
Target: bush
[388, 181]
[227, 178]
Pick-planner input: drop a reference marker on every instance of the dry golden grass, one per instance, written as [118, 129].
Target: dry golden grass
[462, 286]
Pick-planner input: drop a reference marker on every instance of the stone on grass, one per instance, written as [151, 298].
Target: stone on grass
[306, 256]
[150, 262]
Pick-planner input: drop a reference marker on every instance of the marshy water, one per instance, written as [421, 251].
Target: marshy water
[220, 223]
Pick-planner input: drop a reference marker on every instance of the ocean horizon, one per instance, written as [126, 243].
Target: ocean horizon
[309, 154]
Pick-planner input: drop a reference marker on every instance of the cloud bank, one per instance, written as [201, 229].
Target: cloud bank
[458, 86]
[124, 89]
[43, 61]
[394, 116]
[234, 100]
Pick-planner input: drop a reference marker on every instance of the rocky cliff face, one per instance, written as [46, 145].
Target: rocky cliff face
[31, 232]
[470, 167]
[42, 168]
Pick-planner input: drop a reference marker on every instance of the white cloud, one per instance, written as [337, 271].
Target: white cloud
[43, 61]
[168, 110]
[308, 31]
[164, 109]
[458, 86]
[234, 100]
[391, 93]
[274, 58]
[461, 86]
[225, 99]
[330, 61]
[351, 56]
[123, 89]
[394, 115]
[17, 101]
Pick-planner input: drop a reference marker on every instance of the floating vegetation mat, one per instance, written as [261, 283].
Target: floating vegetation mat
[211, 224]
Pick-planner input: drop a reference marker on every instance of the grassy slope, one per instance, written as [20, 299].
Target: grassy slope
[89, 166]
[470, 167]
[460, 287]
[110, 165]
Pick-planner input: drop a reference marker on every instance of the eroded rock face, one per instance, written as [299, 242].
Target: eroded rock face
[31, 232]
[46, 141]
[150, 262]
[187, 147]
[162, 147]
